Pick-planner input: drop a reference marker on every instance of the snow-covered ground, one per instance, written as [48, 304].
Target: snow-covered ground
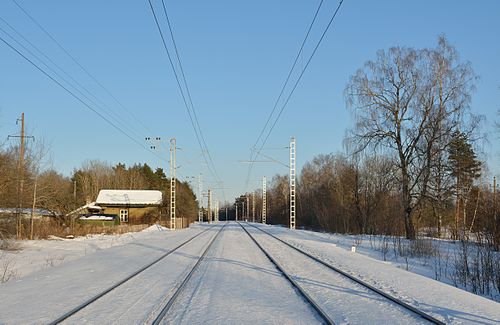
[235, 284]
[29, 256]
[434, 258]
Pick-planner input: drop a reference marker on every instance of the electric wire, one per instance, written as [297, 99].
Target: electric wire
[189, 93]
[77, 97]
[74, 84]
[176, 75]
[91, 76]
[257, 152]
[254, 154]
[289, 73]
[186, 96]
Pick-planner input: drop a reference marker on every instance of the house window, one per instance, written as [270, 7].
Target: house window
[123, 215]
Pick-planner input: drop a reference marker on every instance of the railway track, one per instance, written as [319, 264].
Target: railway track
[182, 285]
[325, 317]
[321, 313]
[118, 284]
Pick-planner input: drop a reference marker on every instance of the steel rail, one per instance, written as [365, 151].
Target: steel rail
[294, 283]
[179, 289]
[116, 285]
[358, 281]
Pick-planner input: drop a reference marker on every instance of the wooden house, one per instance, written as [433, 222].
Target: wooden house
[124, 206]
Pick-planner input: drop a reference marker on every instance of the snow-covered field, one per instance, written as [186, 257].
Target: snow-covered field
[235, 284]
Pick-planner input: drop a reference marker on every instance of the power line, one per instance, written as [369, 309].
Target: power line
[192, 115]
[74, 95]
[302, 72]
[257, 152]
[254, 153]
[188, 92]
[74, 84]
[289, 74]
[80, 65]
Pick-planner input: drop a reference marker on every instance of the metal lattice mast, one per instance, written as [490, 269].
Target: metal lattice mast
[253, 206]
[200, 200]
[248, 208]
[264, 199]
[216, 212]
[292, 183]
[172, 183]
[209, 206]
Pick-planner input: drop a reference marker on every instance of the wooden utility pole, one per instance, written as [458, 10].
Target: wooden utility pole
[21, 179]
[20, 175]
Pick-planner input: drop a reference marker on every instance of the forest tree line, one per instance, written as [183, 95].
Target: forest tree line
[40, 187]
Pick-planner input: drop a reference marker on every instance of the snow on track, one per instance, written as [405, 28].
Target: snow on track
[445, 302]
[138, 299]
[237, 284]
[342, 299]
[42, 296]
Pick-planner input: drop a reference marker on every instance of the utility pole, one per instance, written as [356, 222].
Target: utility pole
[172, 183]
[20, 174]
[226, 213]
[21, 179]
[292, 182]
[264, 199]
[209, 205]
[236, 205]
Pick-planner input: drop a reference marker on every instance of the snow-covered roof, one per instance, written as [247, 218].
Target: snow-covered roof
[129, 197]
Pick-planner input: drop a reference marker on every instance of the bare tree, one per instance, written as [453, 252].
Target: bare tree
[405, 102]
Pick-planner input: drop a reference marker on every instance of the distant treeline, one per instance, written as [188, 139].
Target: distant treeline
[37, 186]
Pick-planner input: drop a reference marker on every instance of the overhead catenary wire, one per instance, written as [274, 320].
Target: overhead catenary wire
[188, 92]
[257, 152]
[253, 154]
[185, 94]
[301, 49]
[189, 95]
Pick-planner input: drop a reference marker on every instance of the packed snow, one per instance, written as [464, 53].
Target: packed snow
[236, 283]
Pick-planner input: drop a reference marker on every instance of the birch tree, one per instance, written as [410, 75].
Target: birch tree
[404, 102]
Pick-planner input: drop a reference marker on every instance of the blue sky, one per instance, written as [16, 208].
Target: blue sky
[236, 55]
